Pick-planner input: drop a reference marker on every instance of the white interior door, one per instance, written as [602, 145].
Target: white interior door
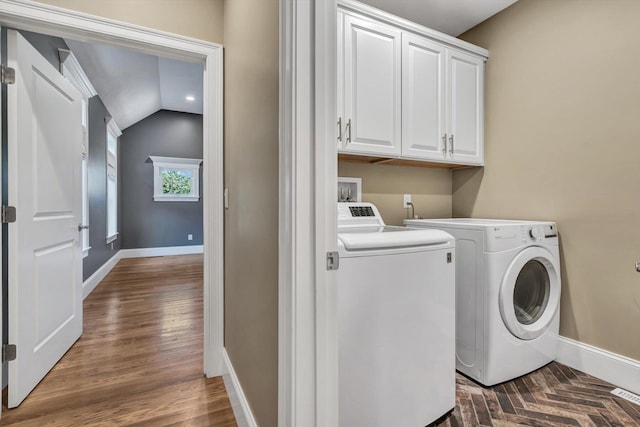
[45, 253]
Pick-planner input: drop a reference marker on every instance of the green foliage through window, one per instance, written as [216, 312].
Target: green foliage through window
[176, 182]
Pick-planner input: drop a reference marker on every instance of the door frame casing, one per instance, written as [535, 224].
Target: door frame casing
[307, 330]
[55, 21]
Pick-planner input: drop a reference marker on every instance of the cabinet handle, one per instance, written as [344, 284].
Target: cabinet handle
[444, 144]
[340, 129]
[348, 130]
[451, 144]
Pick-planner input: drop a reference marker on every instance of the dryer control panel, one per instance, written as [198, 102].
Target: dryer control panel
[541, 232]
[506, 236]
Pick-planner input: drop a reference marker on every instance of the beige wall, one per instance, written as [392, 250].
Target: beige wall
[201, 19]
[384, 186]
[251, 223]
[563, 143]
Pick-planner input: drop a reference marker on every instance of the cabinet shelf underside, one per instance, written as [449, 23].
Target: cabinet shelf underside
[399, 162]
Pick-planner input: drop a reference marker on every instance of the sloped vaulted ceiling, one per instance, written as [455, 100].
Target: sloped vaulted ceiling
[135, 85]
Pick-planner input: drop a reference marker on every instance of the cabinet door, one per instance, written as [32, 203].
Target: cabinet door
[423, 106]
[465, 97]
[371, 87]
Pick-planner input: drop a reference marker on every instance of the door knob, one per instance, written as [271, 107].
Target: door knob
[82, 227]
[638, 266]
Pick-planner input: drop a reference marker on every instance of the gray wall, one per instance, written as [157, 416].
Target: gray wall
[100, 251]
[149, 224]
[47, 46]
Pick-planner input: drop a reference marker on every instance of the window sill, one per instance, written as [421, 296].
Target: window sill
[112, 238]
[85, 252]
[163, 198]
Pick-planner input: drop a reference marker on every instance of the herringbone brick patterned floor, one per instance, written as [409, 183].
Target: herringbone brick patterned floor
[554, 395]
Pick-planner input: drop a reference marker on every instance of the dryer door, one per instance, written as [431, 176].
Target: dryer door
[530, 293]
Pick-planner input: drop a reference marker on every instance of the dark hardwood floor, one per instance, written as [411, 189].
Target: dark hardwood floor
[139, 360]
[554, 395]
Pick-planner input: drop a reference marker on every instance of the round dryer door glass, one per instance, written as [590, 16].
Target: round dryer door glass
[531, 292]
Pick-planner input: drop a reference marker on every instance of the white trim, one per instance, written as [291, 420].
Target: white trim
[163, 251]
[326, 195]
[404, 24]
[174, 198]
[112, 238]
[73, 71]
[239, 402]
[112, 127]
[2, 378]
[307, 351]
[618, 370]
[94, 280]
[52, 20]
[175, 163]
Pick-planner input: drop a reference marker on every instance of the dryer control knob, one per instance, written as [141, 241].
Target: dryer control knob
[535, 233]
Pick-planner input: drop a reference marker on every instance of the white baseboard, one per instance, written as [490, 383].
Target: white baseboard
[166, 251]
[619, 370]
[92, 281]
[239, 403]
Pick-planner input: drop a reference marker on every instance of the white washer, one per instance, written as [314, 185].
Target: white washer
[396, 314]
[507, 295]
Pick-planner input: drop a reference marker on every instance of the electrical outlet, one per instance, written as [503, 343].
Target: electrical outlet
[406, 202]
[189, 236]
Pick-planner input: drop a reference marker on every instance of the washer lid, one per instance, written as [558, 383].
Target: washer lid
[530, 293]
[363, 238]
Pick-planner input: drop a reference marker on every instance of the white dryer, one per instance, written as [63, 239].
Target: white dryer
[396, 302]
[507, 295]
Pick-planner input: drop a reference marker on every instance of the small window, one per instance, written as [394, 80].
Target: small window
[112, 181]
[176, 179]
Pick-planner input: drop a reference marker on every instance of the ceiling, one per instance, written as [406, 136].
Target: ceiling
[135, 85]
[452, 17]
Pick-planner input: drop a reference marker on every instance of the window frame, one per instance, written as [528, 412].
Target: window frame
[175, 163]
[111, 173]
[72, 71]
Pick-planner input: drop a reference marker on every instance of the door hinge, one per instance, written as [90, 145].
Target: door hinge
[7, 75]
[8, 214]
[9, 352]
[333, 260]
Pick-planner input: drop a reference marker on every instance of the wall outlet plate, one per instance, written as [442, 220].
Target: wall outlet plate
[406, 201]
[189, 236]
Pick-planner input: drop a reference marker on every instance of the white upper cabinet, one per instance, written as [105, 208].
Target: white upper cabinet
[465, 119]
[423, 103]
[371, 87]
[406, 91]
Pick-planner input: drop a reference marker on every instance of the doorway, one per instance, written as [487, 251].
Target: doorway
[64, 23]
